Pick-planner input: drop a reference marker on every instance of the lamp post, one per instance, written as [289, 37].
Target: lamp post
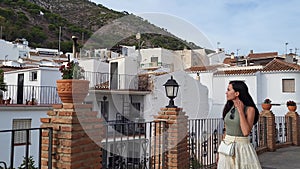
[74, 38]
[138, 37]
[171, 87]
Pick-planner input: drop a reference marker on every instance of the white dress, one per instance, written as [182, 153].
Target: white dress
[245, 155]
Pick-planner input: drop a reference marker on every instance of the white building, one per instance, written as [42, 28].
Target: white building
[14, 50]
[26, 84]
[18, 118]
[278, 80]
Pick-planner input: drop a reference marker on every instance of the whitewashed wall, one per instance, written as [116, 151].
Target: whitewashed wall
[8, 113]
[45, 76]
[271, 87]
[261, 86]
[49, 76]
[192, 96]
[13, 51]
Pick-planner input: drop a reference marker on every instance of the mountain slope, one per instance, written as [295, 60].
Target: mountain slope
[39, 21]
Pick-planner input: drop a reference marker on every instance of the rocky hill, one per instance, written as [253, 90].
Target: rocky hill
[41, 21]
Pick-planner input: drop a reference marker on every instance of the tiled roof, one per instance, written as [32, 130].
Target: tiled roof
[10, 68]
[203, 68]
[229, 61]
[262, 55]
[274, 65]
[236, 72]
[280, 65]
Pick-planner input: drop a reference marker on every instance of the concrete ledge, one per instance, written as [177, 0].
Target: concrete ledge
[21, 107]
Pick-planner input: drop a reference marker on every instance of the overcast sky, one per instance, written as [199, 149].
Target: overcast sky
[238, 25]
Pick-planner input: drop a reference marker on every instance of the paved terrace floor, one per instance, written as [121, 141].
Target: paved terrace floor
[283, 158]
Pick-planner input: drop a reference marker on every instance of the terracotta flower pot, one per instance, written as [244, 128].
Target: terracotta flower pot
[266, 106]
[72, 90]
[292, 108]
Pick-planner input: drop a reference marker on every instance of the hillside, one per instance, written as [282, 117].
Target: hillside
[39, 21]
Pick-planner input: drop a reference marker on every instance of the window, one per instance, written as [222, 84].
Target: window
[33, 76]
[135, 110]
[104, 109]
[154, 61]
[20, 136]
[288, 85]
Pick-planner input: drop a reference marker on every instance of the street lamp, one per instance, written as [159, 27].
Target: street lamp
[138, 37]
[171, 87]
[74, 38]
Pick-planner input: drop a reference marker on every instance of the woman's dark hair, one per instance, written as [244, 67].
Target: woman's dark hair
[244, 96]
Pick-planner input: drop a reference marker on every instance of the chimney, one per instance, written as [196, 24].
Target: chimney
[251, 51]
[198, 77]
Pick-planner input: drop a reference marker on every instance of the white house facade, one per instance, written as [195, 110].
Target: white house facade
[277, 81]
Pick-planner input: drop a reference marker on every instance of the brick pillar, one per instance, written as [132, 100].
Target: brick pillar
[76, 132]
[271, 128]
[293, 127]
[176, 154]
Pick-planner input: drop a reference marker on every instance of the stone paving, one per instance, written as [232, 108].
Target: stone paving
[283, 158]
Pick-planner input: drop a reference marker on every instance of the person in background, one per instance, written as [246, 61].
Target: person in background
[239, 114]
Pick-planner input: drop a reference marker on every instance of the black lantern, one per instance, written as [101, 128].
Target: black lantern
[171, 87]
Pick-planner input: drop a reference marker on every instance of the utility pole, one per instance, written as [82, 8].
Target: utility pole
[296, 51]
[59, 36]
[286, 44]
[1, 32]
[237, 56]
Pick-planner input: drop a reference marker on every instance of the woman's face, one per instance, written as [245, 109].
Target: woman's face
[230, 93]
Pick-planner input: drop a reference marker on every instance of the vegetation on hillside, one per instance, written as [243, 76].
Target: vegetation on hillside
[40, 22]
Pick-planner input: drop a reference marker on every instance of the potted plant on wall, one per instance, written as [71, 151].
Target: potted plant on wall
[266, 105]
[72, 88]
[292, 106]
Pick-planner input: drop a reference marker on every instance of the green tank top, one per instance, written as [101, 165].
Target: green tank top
[233, 127]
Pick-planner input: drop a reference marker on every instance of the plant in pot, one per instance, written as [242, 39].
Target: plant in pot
[266, 105]
[72, 88]
[292, 106]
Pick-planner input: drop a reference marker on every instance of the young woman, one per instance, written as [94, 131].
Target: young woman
[239, 114]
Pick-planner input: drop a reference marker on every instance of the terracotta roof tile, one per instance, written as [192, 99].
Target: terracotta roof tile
[204, 68]
[280, 65]
[236, 72]
[262, 55]
[229, 61]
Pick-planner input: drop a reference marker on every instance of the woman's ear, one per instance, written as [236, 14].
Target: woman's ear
[237, 94]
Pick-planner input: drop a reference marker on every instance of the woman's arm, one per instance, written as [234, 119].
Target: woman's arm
[246, 122]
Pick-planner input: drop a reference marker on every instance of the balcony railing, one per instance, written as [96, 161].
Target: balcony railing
[30, 95]
[106, 81]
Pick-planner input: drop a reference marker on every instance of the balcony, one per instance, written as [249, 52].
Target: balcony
[30, 95]
[106, 81]
[151, 65]
[45, 95]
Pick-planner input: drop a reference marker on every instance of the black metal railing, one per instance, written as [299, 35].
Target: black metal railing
[204, 138]
[281, 129]
[31, 95]
[116, 82]
[131, 145]
[31, 147]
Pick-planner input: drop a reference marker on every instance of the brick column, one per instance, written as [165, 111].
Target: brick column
[293, 127]
[76, 136]
[176, 154]
[271, 128]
